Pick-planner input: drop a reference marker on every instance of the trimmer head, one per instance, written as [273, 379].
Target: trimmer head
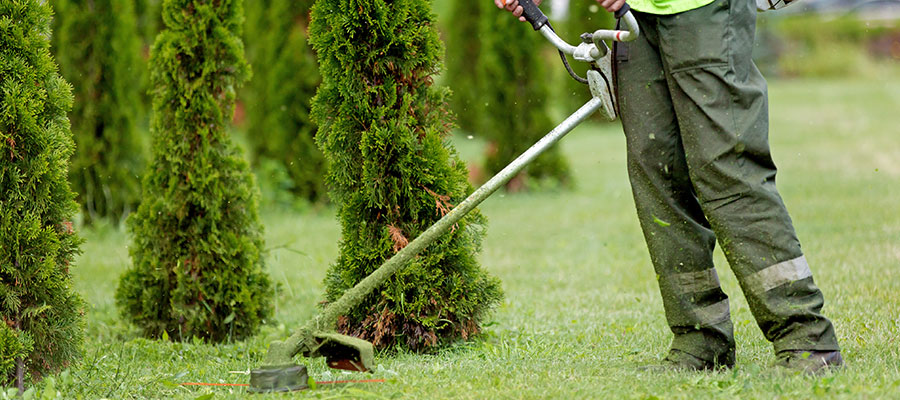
[340, 352]
[285, 378]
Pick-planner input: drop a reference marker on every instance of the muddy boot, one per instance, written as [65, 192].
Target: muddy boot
[810, 362]
[678, 360]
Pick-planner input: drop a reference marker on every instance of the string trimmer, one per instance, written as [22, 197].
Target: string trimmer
[317, 337]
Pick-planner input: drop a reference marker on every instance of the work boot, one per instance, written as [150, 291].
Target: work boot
[810, 362]
[678, 360]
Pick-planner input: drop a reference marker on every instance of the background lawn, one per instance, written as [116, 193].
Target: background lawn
[582, 314]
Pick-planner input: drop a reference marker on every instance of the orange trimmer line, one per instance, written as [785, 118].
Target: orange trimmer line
[318, 383]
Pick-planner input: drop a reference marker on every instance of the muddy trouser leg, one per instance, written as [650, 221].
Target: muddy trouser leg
[678, 235]
[720, 101]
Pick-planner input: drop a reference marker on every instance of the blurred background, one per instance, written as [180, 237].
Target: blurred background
[103, 48]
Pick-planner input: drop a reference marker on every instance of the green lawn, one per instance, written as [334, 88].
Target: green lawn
[582, 313]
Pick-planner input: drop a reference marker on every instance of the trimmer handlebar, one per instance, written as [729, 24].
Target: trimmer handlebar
[631, 27]
[539, 22]
[592, 49]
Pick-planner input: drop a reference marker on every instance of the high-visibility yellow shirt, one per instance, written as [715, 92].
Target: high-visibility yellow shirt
[665, 7]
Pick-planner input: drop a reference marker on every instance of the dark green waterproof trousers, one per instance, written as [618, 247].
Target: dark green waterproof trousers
[695, 112]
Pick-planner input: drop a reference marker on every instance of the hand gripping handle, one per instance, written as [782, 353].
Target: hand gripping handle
[627, 19]
[533, 14]
[621, 12]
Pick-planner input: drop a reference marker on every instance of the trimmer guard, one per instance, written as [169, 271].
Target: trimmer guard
[344, 352]
[603, 90]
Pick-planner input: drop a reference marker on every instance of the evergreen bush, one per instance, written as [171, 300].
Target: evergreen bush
[463, 50]
[14, 346]
[278, 99]
[515, 85]
[584, 16]
[98, 49]
[383, 128]
[37, 241]
[197, 242]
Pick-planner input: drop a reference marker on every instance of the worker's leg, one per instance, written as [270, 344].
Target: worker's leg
[721, 103]
[677, 234]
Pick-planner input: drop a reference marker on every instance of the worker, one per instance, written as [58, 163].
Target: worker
[695, 113]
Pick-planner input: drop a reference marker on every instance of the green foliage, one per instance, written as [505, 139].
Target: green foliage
[37, 242]
[13, 346]
[98, 48]
[198, 268]
[278, 99]
[515, 88]
[383, 129]
[463, 49]
[584, 16]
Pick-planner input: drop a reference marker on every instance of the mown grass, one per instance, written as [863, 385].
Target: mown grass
[582, 314]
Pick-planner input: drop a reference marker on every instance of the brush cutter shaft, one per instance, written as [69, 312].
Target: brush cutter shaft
[328, 318]
[316, 337]
[278, 373]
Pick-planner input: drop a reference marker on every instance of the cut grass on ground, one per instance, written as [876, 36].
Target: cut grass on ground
[582, 314]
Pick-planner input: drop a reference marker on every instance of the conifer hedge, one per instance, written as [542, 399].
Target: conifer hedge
[278, 98]
[383, 128]
[42, 317]
[197, 242]
[463, 50]
[515, 85]
[97, 45]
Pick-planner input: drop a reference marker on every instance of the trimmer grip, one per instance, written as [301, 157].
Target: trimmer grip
[533, 14]
[621, 12]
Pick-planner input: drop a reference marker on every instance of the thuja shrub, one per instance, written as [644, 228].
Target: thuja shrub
[278, 98]
[463, 50]
[515, 85]
[383, 128]
[583, 16]
[41, 314]
[98, 48]
[14, 346]
[196, 237]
